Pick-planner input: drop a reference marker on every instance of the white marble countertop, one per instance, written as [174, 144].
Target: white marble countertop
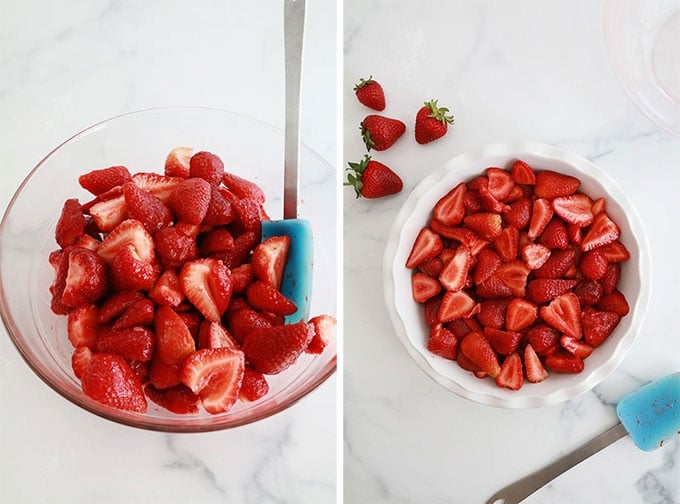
[509, 71]
[67, 65]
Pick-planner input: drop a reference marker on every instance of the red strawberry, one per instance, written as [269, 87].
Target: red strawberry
[427, 245]
[370, 93]
[128, 272]
[486, 225]
[514, 275]
[116, 304]
[207, 166]
[520, 314]
[322, 327]
[174, 247]
[593, 264]
[522, 173]
[147, 209]
[127, 232]
[564, 314]
[507, 244]
[615, 252]
[263, 296]
[614, 302]
[432, 267]
[431, 310]
[216, 375]
[133, 344]
[86, 279]
[163, 375]
[80, 360]
[218, 242]
[220, 210]
[564, 362]
[519, 214]
[551, 185]
[503, 342]
[108, 209]
[273, 350]
[214, 335]
[575, 233]
[109, 380]
[173, 339]
[82, 325]
[535, 371]
[492, 312]
[243, 188]
[71, 223]
[489, 201]
[177, 162]
[380, 132]
[463, 235]
[543, 290]
[243, 322]
[598, 325]
[269, 260]
[104, 179]
[557, 264]
[167, 290]
[478, 349]
[243, 244]
[455, 305]
[511, 375]
[611, 278]
[493, 287]
[473, 201]
[589, 292]
[450, 209]
[555, 234]
[254, 386]
[574, 209]
[424, 287]
[248, 216]
[487, 264]
[372, 179]
[178, 399]
[207, 285]
[190, 200]
[500, 183]
[160, 186]
[456, 270]
[541, 213]
[576, 347]
[543, 338]
[603, 231]
[139, 313]
[432, 122]
[442, 342]
[535, 255]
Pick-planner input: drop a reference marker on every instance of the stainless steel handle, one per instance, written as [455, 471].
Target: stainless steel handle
[521, 489]
[293, 34]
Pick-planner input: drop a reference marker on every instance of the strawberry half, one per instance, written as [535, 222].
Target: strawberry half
[173, 339]
[511, 375]
[269, 260]
[99, 181]
[551, 185]
[272, 350]
[427, 245]
[442, 342]
[71, 223]
[564, 314]
[424, 287]
[206, 283]
[478, 349]
[450, 209]
[177, 162]
[455, 272]
[265, 297]
[322, 327]
[109, 380]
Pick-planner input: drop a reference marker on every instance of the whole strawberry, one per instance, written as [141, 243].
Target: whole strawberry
[372, 179]
[370, 93]
[432, 122]
[380, 132]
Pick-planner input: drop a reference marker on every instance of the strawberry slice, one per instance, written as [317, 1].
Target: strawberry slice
[178, 398]
[511, 375]
[107, 210]
[116, 304]
[133, 344]
[424, 287]
[593, 264]
[160, 186]
[615, 252]
[427, 245]
[611, 278]
[555, 234]
[450, 209]
[455, 272]
[456, 305]
[147, 209]
[503, 342]
[269, 260]
[520, 314]
[535, 255]
[551, 185]
[589, 292]
[207, 285]
[576, 347]
[71, 223]
[82, 325]
[507, 244]
[500, 184]
[263, 296]
[273, 350]
[522, 173]
[173, 339]
[533, 366]
[442, 342]
[80, 360]
[598, 325]
[214, 335]
[492, 312]
[564, 362]
[322, 328]
[129, 272]
[177, 162]
[603, 231]
[220, 210]
[574, 209]
[614, 302]
[243, 188]
[109, 380]
[139, 313]
[519, 214]
[487, 263]
[163, 375]
[543, 338]
[254, 386]
[557, 265]
[86, 280]
[463, 235]
[543, 290]
[514, 275]
[129, 231]
[102, 180]
[432, 267]
[478, 349]
[564, 314]
[493, 287]
[541, 213]
[489, 201]
[190, 200]
[215, 374]
[243, 322]
[167, 290]
[486, 225]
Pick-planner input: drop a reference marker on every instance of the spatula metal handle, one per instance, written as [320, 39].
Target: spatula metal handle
[293, 30]
[520, 490]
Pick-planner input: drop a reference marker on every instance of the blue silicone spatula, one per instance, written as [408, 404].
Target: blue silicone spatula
[650, 416]
[297, 276]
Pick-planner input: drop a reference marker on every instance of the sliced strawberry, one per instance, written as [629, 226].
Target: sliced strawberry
[264, 297]
[492, 312]
[576, 347]
[129, 272]
[520, 314]
[486, 225]
[522, 173]
[80, 360]
[543, 290]
[207, 166]
[543, 338]
[493, 287]
[173, 339]
[442, 342]
[489, 201]
[86, 280]
[160, 186]
[431, 310]
[109, 380]
[269, 260]
[130, 231]
[511, 375]
[467, 364]
[254, 386]
[487, 264]
[214, 335]
[207, 285]
[167, 291]
[555, 235]
[541, 213]
[133, 344]
[71, 223]
[456, 270]
[99, 181]
[432, 267]
[273, 350]
[614, 302]
[564, 314]
[243, 188]
[215, 374]
[507, 244]
[574, 209]
[514, 275]
[519, 214]
[575, 233]
[450, 209]
[177, 162]
[427, 245]
[478, 349]
[603, 231]
[243, 244]
[615, 252]
[564, 362]
[116, 304]
[599, 206]
[551, 185]
[190, 200]
[535, 255]
[557, 264]
[535, 371]
[248, 216]
[147, 209]
[322, 327]
[593, 264]
[503, 342]
[220, 210]
[107, 210]
[473, 201]
[455, 305]
[500, 183]
[424, 287]
[463, 235]
[598, 325]
[611, 278]
[589, 292]
[243, 322]
[163, 375]
[139, 313]
[82, 325]
[218, 242]
[178, 398]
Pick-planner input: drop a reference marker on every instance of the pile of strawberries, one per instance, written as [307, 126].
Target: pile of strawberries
[169, 292]
[517, 271]
[373, 179]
